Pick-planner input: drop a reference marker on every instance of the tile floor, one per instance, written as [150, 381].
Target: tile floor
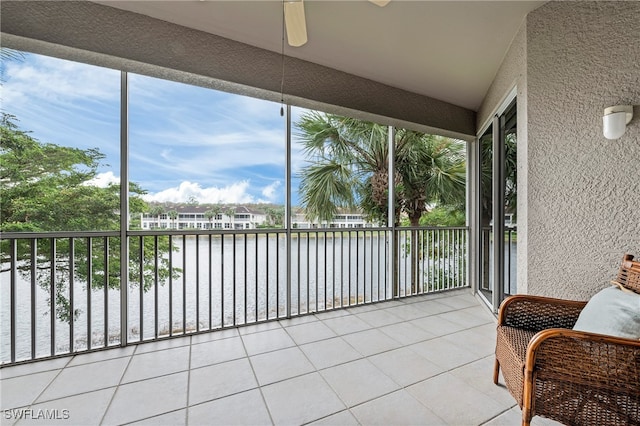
[426, 360]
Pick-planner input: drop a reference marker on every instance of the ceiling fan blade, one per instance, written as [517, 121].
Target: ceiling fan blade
[381, 3]
[295, 22]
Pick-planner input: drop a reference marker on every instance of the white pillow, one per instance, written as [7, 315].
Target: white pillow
[611, 312]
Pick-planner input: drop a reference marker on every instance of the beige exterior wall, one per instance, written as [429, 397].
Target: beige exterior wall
[579, 197]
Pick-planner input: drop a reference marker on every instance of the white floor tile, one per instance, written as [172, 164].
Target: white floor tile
[85, 378]
[174, 342]
[266, 341]
[102, 355]
[406, 333]
[84, 409]
[398, 408]
[246, 408]
[358, 381]
[327, 353]
[279, 365]
[23, 390]
[405, 366]
[379, 318]
[310, 332]
[173, 418]
[217, 351]
[343, 418]
[443, 395]
[147, 398]
[159, 363]
[346, 324]
[220, 380]
[444, 353]
[33, 367]
[371, 342]
[301, 400]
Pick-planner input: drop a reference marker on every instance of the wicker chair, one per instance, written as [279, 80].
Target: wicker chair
[574, 377]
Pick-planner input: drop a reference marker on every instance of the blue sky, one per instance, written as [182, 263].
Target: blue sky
[185, 141]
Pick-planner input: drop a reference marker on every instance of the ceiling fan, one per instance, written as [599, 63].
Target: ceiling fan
[296, 24]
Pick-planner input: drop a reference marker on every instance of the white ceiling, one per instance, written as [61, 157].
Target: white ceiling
[448, 50]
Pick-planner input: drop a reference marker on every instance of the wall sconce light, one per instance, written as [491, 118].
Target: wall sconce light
[615, 120]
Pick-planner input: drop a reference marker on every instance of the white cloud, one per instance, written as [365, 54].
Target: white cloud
[58, 81]
[102, 180]
[270, 191]
[235, 193]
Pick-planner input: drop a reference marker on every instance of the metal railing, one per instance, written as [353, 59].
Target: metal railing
[60, 292]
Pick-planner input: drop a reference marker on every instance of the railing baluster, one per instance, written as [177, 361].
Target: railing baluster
[13, 296]
[256, 275]
[141, 285]
[333, 271]
[52, 296]
[308, 274]
[245, 279]
[184, 284]
[89, 286]
[34, 271]
[317, 262]
[156, 284]
[349, 271]
[371, 266]
[106, 292]
[299, 263]
[170, 285]
[233, 260]
[277, 276]
[364, 267]
[210, 259]
[72, 266]
[266, 242]
[386, 259]
[222, 280]
[357, 268]
[197, 283]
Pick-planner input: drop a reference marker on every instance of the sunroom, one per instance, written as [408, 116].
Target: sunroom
[255, 317]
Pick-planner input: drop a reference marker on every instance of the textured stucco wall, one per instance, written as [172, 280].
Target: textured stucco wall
[578, 193]
[583, 191]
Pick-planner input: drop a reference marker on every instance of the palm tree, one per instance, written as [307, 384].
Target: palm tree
[156, 211]
[173, 215]
[210, 214]
[230, 212]
[348, 167]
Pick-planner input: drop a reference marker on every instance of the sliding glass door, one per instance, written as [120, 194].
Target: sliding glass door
[496, 175]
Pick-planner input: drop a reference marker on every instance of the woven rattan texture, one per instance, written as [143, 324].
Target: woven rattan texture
[536, 315]
[629, 274]
[511, 349]
[588, 381]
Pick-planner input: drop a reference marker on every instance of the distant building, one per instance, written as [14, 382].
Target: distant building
[196, 217]
[241, 217]
[343, 219]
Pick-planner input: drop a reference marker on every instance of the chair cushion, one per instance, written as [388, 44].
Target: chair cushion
[611, 312]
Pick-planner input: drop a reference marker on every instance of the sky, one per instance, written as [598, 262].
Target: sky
[184, 141]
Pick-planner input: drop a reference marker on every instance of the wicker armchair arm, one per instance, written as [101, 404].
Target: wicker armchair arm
[538, 313]
[577, 358]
